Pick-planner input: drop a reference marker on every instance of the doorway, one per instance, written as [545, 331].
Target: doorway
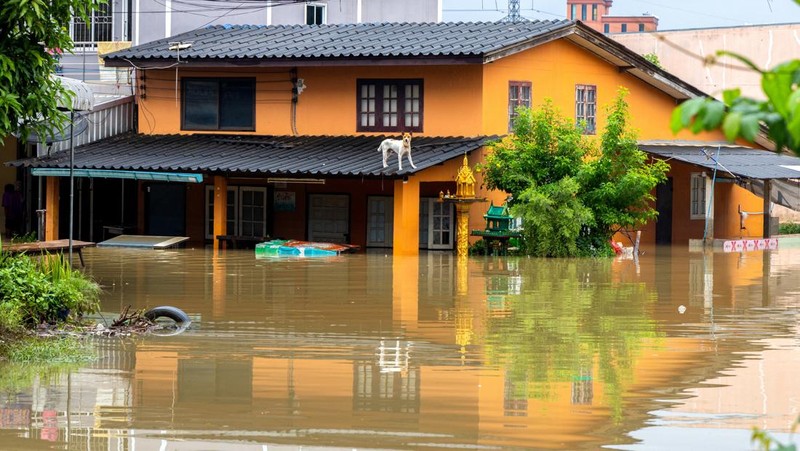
[166, 209]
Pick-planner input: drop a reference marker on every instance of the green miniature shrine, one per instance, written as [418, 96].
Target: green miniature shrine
[498, 229]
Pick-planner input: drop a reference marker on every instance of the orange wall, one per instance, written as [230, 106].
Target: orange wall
[458, 100]
[328, 104]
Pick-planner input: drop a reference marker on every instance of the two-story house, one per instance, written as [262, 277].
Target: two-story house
[280, 125]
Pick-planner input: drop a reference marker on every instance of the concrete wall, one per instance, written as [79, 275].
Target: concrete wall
[684, 53]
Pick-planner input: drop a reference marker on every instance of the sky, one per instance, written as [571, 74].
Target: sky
[672, 14]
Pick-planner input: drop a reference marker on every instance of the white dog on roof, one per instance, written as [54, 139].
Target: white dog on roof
[398, 146]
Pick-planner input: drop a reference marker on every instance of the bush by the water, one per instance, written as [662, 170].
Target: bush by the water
[790, 228]
[45, 290]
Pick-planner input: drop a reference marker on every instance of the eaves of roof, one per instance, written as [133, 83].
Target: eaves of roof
[329, 156]
[730, 160]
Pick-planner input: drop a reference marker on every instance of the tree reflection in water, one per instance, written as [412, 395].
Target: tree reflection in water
[561, 321]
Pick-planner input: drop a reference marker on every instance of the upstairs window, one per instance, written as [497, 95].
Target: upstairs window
[573, 12]
[519, 95]
[583, 13]
[218, 104]
[586, 107]
[624, 27]
[315, 14]
[389, 105]
[606, 28]
[641, 27]
[97, 27]
[594, 13]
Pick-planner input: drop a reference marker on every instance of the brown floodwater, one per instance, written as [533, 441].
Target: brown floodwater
[679, 350]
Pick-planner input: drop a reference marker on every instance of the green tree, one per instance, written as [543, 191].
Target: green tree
[619, 184]
[571, 196]
[29, 31]
[743, 117]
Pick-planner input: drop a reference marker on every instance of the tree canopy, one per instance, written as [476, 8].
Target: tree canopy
[31, 33]
[572, 194]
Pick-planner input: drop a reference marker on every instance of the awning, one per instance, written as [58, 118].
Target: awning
[256, 155]
[113, 174]
[730, 160]
[82, 99]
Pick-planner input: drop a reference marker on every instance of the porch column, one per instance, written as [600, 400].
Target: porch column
[220, 208]
[406, 217]
[51, 208]
[767, 202]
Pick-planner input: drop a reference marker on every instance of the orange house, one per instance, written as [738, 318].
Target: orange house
[281, 127]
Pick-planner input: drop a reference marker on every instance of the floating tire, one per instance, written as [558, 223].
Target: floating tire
[181, 319]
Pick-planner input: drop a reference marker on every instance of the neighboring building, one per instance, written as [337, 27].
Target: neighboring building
[597, 14]
[283, 124]
[687, 53]
[120, 23]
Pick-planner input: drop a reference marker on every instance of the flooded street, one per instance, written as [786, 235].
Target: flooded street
[369, 351]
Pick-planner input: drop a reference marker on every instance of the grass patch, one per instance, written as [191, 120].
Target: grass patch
[51, 350]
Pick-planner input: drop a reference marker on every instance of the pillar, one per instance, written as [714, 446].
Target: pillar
[766, 209]
[406, 217]
[51, 207]
[220, 208]
[462, 229]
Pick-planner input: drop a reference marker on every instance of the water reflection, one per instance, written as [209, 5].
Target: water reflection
[370, 351]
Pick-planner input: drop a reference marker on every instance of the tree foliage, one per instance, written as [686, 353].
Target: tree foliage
[30, 30]
[571, 196]
[743, 117]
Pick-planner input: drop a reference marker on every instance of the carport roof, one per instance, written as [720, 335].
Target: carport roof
[257, 155]
[739, 161]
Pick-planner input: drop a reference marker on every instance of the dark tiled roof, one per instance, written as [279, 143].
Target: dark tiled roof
[744, 162]
[267, 155]
[365, 40]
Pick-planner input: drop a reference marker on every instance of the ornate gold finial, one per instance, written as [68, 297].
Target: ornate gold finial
[465, 181]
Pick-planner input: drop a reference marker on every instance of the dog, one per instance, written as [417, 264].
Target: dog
[400, 147]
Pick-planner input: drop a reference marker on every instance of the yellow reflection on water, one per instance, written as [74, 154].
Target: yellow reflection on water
[373, 351]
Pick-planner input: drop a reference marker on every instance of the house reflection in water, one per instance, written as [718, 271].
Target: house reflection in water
[374, 351]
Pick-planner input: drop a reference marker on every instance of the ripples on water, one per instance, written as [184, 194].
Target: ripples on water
[370, 351]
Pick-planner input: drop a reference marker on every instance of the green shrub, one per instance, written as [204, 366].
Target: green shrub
[44, 291]
[790, 228]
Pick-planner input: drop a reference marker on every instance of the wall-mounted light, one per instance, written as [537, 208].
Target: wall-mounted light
[306, 181]
[405, 179]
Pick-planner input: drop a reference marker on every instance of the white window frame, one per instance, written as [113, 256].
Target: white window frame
[426, 224]
[96, 19]
[237, 209]
[263, 221]
[518, 97]
[585, 108]
[699, 195]
[387, 223]
[314, 6]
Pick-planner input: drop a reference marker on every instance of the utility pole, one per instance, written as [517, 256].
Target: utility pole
[513, 12]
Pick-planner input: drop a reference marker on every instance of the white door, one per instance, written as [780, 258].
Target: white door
[329, 218]
[380, 217]
[436, 224]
